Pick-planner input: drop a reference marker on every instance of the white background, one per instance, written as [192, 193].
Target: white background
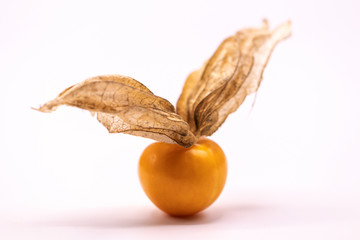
[293, 159]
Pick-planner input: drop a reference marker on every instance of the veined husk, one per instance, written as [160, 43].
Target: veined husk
[232, 73]
[210, 94]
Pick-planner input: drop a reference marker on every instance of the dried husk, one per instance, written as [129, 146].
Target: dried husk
[210, 94]
[232, 73]
[123, 105]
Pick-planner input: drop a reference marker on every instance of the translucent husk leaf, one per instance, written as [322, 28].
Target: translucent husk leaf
[123, 105]
[210, 94]
[232, 73]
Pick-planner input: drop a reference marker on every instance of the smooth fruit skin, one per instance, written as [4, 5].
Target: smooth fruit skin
[183, 181]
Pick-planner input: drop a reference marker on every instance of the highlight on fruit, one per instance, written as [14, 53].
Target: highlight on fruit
[210, 94]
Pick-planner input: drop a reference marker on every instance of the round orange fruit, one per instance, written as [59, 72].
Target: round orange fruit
[183, 181]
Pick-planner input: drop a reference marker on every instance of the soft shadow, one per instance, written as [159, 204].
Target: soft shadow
[240, 215]
[124, 218]
[139, 217]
